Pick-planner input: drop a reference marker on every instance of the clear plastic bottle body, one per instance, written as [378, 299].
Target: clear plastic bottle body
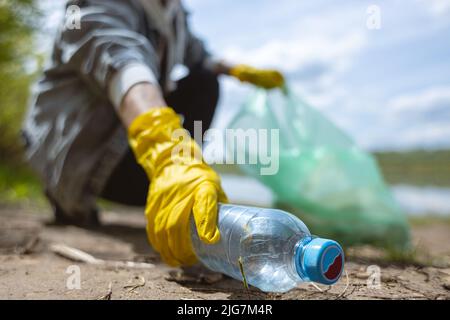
[262, 241]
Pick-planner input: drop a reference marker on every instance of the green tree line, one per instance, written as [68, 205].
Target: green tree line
[18, 22]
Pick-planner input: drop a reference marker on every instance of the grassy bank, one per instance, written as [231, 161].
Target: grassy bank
[18, 185]
[420, 168]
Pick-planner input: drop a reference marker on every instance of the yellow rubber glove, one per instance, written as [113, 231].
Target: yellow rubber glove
[268, 79]
[180, 184]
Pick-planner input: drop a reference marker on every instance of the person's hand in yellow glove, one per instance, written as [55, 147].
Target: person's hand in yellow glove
[268, 79]
[181, 184]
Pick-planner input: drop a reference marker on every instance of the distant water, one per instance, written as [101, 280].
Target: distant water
[420, 200]
[414, 200]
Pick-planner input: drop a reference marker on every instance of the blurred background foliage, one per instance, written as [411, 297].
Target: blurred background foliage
[18, 20]
[19, 66]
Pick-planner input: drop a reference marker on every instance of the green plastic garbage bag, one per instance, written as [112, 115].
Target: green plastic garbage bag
[323, 177]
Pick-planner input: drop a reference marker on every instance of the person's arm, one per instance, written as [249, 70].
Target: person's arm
[108, 51]
[221, 67]
[117, 62]
[138, 100]
[182, 184]
[264, 78]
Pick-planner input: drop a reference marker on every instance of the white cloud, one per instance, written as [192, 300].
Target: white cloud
[312, 61]
[328, 39]
[437, 7]
[418, 119]
[421, 102]
[300, 51]
[431, 135]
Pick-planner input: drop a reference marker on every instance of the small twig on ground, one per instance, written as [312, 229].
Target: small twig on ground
[352, 291]
[132, 287]
[81, 256]
[316, 286]
[108, 295]
[74, 254]
[244, 278]
[346, 286]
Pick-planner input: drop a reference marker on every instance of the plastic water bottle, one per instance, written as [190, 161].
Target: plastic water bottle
[272, 248]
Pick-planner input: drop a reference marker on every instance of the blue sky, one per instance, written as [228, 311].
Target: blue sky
[388, 88]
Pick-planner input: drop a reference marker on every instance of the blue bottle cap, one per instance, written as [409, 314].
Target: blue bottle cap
[322, 261]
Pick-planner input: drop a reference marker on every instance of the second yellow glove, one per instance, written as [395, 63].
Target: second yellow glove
[268, 79]
[181, 184]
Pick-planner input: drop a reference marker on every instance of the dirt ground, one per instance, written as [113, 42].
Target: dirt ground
[29, 269]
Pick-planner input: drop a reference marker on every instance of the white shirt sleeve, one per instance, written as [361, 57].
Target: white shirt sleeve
[126, 78]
